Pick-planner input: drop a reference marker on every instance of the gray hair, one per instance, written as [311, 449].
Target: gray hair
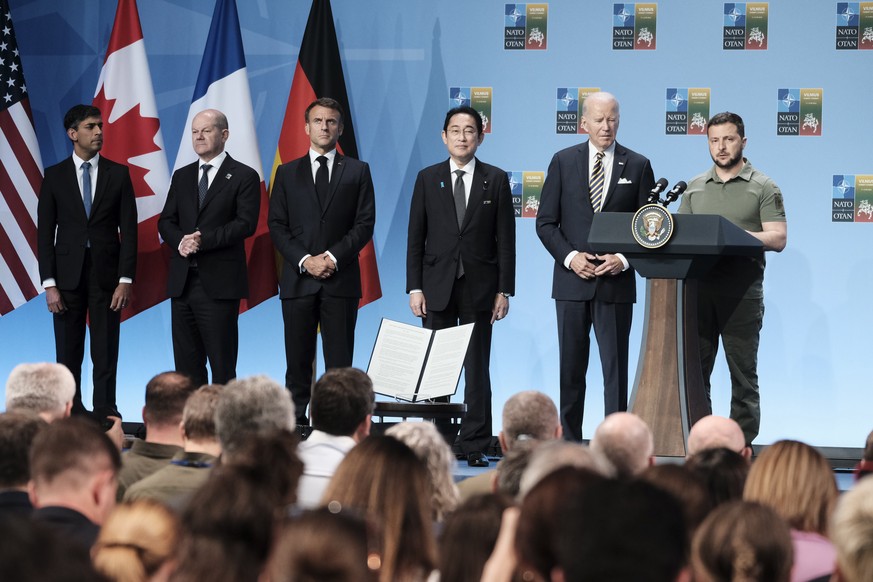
[553, 455]
[256, 404]
[41, 388]
[429, 445]
[529, 415]
[624, 441]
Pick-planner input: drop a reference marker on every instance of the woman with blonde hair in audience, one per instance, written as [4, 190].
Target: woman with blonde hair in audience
[742, 541]
[384, 479]
[137, 542]
[798, 483]
[429, 445]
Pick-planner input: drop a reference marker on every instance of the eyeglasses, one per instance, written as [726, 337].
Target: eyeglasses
[456, 132]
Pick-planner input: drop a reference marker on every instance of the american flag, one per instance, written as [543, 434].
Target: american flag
[20, 177]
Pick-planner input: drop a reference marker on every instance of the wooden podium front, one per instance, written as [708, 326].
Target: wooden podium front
[668, 390]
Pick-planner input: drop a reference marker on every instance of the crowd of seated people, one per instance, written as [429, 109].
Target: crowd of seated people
[222, 488]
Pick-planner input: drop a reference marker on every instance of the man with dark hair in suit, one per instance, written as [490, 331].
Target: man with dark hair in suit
[589, 289]
[212, 207]
[460, 260]
[86, 233]
[322, 213]
[17, 431]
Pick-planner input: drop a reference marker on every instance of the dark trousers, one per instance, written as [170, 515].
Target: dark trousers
[738, 322]
[476, 430]
[89, 301]
[303, 315]
[204, 329]
[612, 324]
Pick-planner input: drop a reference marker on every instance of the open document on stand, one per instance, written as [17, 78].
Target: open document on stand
[412, 363]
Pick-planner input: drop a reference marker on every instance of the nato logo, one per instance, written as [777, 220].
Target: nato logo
[515, 16]
[459, 96]
[853, 20]
[844, 186]
[843, 198]
[735, 15]
[677, 111]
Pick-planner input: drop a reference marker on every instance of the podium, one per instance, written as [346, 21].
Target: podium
[668, 390]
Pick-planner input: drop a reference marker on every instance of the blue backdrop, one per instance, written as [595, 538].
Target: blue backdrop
[400, 60]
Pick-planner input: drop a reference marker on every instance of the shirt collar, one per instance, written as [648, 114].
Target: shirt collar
[215, 162]
[79, 161]
[745, 173]
[313, 156]
[468, 169]
[607, 153]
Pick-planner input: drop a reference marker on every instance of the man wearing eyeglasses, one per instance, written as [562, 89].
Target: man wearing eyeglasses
[460, 260]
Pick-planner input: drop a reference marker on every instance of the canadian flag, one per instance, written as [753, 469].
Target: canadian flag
[132, 136]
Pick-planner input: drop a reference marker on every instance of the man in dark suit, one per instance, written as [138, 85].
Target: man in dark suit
[460, 260]
[590, 289]
[211, 208]
[322, 212]
[87, 232]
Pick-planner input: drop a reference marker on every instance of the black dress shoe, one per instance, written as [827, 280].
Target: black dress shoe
[477, 460]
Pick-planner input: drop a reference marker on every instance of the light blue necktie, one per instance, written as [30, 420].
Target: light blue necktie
[86, 187]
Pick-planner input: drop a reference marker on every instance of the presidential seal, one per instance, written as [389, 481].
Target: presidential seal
[652, 226]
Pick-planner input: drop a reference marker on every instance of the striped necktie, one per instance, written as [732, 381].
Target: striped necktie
[595, 184]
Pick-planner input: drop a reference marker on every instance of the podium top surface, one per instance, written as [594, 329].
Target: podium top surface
[693, 235]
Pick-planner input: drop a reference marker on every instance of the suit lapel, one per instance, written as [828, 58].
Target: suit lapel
[103, 170]
[335, 176]
[305, 181]
[446, 191]
[582, 168]
[476, 195]
[619, 161]
[222, 175]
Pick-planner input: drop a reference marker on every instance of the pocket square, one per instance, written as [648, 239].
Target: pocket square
[624, 181]
[486, 202]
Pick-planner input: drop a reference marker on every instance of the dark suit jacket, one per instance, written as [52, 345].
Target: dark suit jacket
[485, 241]
[229, 216]
[63, 229]
[565, 214]
[299, 225]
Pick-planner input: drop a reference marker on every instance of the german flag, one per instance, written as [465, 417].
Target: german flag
[319, 73]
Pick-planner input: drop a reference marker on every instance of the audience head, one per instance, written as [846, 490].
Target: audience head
[865, 466]
[713, 432]
[529, 415]
[742, 541]
[724, 472]
[198, 416]
[513, 465]
[32, 551]
[165, 398]
[383, 478]
[796, 481]
[137, 542]
[227, 528]
[17, 431]
[622, 531]
[342, 402]
[73, 464]
[542, 508]
[469, 536]
[270, 459]
[852, 533]
[45, 388]
[431, 448]
[323, 546]
[255, 404]
[624, 441]
[687, 487]
[553, 455]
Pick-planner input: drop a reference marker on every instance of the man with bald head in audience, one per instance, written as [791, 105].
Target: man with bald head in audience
[44, 388]
[624, 441]
[73, 467]
[165, 399]
[712, 432]
[527, 416]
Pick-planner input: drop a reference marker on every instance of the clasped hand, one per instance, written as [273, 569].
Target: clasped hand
[583, 265]
[320, 266]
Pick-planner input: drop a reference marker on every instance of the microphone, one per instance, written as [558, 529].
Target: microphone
[677, 190]
[659, 187]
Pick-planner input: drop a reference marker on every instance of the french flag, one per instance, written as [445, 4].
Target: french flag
[223, 84]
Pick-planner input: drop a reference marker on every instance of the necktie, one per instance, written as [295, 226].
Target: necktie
[460, 195]
[86, 187]
[203, 185]
[321, 180]
[595, 185]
